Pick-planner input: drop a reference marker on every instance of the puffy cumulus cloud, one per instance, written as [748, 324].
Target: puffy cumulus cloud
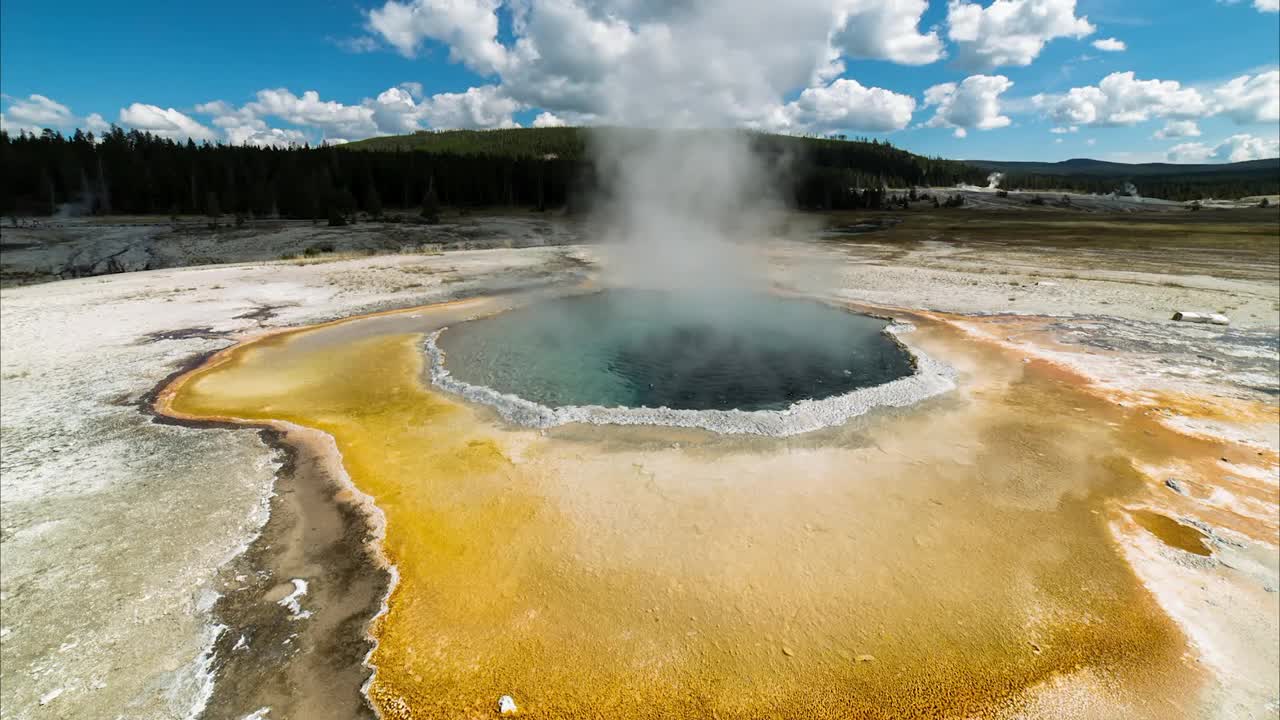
[478, 107]
[469, 28]
[1192, 152]
[845, 105]
[1178, 129]
[328, 116]
[1110, 45]
[1237, 148]
[397, 110]
[1122, 99]
[885, 30]
[973, 103]
[38, 112]
[241, 126]
[680, 65]
[547, 119]
[95, 123]
[712, 62]
[264, 137]
[1010, 32]
[226, 116]
[165, 122]
[1251, 99]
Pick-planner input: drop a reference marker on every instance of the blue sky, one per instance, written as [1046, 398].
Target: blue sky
[83, 58]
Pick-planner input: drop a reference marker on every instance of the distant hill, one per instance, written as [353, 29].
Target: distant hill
[1164, 180]
[1086, 166]
[571, 143]
[861, 163]
[135, 172]
[827, 173]
[568, 143]
[139, 173]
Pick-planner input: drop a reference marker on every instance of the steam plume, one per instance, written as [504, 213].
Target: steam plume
[682, 207]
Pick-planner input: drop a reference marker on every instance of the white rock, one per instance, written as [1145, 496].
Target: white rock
[1199, 317]
[507, 705]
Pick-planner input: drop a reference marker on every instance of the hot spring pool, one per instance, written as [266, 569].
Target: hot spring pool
[648, 349]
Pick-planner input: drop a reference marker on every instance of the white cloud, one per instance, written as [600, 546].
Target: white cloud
[973, 103]
[165, 122]
[357, 45]
[397, 110]
[1192, 152]
[330, 117]
[1178, 129]
[885, 30]
[95, 123]
[1010, 32]
[712, 62]
[1110, 45]
[1239, 148]
[1259, 5]
[38, 111]
[843, 105]
[478, 107]
[264, 137]
[1253, 99]
[1064, 130]
[468, 27]
[547, 119]
[413, 88]
[1121, 99]
[242, 126]
[1236, 148]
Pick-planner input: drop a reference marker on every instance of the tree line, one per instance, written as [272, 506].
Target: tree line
[1180, 187]
[132, 172]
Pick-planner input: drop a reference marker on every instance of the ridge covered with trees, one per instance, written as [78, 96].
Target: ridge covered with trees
[1168, 181]
[133, 172]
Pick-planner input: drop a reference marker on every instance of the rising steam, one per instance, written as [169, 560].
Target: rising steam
[681, 208]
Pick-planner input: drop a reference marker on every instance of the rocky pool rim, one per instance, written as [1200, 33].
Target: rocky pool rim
[929, 377]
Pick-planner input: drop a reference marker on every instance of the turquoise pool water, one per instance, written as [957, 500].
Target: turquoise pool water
[638, 348]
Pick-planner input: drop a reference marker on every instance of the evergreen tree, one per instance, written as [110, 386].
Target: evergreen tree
[431, 203]
[340, 207]
[211, 208]
[372, 203]
[137, 172]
